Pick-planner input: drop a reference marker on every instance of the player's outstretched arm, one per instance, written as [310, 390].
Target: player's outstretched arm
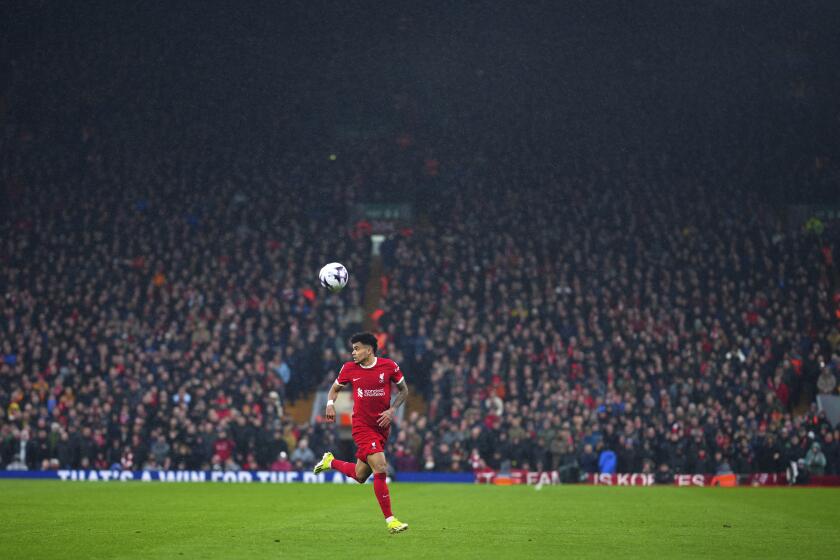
[330, 412]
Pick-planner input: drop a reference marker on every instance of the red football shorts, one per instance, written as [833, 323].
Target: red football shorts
[368, 441]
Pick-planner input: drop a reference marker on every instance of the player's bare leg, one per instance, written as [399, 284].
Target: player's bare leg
[379, 466]
[363, 471]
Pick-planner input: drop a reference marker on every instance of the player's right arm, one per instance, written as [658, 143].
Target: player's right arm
[337, 386]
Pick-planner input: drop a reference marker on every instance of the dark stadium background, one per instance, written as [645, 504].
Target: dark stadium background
[618, 254]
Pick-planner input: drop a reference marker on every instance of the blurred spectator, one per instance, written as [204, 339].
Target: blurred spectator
[831, 450]
[815, 460]
[721, 464]
[282, 463]
[607, 462]
[160, 452]
[302, 457]
[588, 460]
[827, 382]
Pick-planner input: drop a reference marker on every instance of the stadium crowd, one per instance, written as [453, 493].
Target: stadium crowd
[147, 326]
[615, 325]
[581, 301]
[612, 324]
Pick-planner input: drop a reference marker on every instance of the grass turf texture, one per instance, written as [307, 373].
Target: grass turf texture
[41, 519]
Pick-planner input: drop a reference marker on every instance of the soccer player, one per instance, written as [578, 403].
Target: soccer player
[371, 378]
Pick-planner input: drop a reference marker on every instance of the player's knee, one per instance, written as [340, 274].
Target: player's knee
[380, 468]
[363, 472]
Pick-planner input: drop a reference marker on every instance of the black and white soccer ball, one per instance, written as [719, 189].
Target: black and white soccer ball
[334, 276]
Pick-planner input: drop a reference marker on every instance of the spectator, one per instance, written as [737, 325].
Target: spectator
[826, 382]
[404, 460]
[831, 450]
[607, 462]
[721, 464]
[664, 474]
[160, 452]
[282, 463]
[815, 460]
[702, 464]
[588, 460]
[303, 458]
[223, 447]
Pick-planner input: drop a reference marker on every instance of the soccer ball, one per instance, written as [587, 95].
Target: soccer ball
[334, 277]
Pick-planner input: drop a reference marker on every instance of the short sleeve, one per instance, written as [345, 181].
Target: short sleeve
[396, 373]
[343, 376]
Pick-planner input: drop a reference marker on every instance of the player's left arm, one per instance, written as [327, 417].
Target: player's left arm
[402, 394]
[387, 416]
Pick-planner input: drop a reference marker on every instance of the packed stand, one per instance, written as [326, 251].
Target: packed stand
[616, 324]
[149, 324]
[592, 283]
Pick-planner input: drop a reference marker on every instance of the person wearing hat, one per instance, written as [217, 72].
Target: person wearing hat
[282, 463]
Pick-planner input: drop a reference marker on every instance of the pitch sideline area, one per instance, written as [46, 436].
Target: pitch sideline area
[42, 519]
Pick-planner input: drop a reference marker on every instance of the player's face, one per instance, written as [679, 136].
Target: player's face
[361, 352]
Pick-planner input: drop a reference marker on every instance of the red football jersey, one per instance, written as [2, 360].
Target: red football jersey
[371, 388]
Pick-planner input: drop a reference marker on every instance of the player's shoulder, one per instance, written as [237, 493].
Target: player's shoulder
[348, 369]
[347, 366]
[387, 363]
[389, 366]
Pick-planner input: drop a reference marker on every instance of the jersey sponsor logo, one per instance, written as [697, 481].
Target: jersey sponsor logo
[371, 392]
[359, 392]
[356, 379]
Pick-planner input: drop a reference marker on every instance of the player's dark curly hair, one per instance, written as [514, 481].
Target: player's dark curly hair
[367, 339]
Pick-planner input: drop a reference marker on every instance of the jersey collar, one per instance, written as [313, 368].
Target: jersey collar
[371, 366]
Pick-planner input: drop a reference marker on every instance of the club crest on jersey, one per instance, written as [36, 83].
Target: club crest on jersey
[382, 377]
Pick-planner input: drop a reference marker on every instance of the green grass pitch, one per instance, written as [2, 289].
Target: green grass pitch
[51, 519]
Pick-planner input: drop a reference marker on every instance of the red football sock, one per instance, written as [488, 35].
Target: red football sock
[380, 487]
[344, 467]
